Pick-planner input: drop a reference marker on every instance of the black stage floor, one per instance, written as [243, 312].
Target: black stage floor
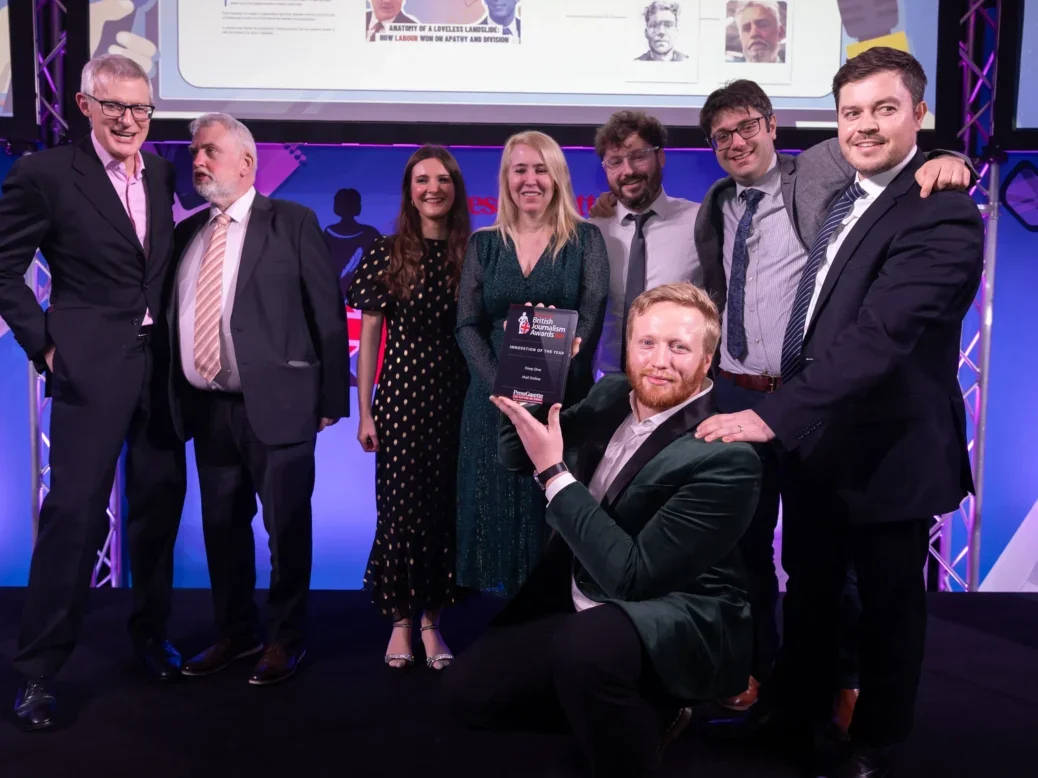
[346, 714]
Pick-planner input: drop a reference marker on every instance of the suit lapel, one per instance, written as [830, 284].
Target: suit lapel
[255, 239]
[788, 168]
[886, 200]
[93, 182]
[192, 226]
[598, 442]
[673, 428]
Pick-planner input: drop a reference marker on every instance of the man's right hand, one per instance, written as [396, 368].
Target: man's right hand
[604, 207]
[48, 357]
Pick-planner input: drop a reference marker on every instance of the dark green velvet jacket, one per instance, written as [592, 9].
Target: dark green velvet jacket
[661, 545]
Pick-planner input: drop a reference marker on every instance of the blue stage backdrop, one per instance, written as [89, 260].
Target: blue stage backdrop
[344, 499]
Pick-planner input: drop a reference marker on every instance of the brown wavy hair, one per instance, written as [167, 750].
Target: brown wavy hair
[405, 258]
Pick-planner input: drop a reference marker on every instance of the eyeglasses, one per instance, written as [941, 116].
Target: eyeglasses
[747, 129]
[115, 110]
[636, 157]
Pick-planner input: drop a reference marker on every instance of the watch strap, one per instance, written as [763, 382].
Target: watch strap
[548, 473]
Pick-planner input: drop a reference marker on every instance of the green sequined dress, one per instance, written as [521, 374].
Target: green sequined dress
[501, 528]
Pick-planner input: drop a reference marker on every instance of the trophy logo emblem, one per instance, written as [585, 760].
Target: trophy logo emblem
[524, 324]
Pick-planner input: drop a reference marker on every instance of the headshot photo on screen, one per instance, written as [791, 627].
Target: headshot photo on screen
[383, 12]
[503, 14]
[662, 22]
[756, 31]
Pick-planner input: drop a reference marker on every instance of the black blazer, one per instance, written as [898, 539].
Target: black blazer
[486, 21]
[400, 18]
[61, 202]
[877, 414]
[288, 323]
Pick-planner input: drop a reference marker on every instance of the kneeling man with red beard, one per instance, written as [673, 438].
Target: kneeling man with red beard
[638, 605]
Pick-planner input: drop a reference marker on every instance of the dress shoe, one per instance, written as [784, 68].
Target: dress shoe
[674, 728]
[744, 701]
[221, 655]
[160, 659]
[278, 663]
[863, 763]
[35, 705]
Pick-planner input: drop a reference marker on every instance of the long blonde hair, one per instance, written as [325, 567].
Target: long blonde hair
[562, 214]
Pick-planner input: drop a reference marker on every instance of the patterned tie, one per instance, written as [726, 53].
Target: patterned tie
[208, 302]
[636, 273]
[736, 304]
[375, 31]
[793, 342]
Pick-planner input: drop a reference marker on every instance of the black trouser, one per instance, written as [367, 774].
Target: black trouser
[587, 670]
[888, 557]
[233, 466]
[86, 438]
[757, 547]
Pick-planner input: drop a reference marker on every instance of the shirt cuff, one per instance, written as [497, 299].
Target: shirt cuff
[558, 484]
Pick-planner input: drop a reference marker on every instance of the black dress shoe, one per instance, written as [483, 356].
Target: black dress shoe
[160, 659]
[35, 705]
[221, 655]
[674, 728]
[278, 663]
[863, 763]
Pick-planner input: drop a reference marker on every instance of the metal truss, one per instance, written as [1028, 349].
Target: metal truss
[955, 536]
[50, 62]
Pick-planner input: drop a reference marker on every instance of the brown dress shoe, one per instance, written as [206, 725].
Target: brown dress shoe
[278, 663]
[844, 712]
[674, 729]
[220, 656]
[743, 701]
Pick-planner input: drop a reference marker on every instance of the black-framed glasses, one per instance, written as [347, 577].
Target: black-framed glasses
[636, 157]
[747, 129]
[115, 109]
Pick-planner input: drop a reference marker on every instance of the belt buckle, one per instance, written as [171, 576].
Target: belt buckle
[773, 383]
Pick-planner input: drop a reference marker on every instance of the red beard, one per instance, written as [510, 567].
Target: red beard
[660, 398]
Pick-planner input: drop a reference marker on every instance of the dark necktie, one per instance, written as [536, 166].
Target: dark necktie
[375, 31]
[736, 303]
[793, 342]
[635, 273]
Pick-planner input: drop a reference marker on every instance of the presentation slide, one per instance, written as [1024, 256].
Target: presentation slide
[499, 61]
[6, 109]
[1027, 97]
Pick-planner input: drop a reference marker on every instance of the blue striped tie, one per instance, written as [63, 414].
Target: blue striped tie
[793, 342]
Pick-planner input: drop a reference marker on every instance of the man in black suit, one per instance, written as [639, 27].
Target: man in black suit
[871, 409]
[261, 365]
[385, 12]
[100, 211]
[502, 14]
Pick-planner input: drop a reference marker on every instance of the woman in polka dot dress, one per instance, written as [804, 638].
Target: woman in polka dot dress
[409, 282]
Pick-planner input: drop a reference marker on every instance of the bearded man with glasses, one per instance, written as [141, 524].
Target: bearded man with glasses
[101, 213]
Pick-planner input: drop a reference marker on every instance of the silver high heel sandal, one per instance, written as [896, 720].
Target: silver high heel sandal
[430, 661]
[407, 659]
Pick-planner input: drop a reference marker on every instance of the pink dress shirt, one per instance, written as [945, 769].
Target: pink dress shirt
[131, 194]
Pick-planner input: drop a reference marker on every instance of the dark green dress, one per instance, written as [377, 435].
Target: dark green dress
[501, 527]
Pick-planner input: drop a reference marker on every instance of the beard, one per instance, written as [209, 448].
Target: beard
[210, 189]
[653, 183]
[660, 398]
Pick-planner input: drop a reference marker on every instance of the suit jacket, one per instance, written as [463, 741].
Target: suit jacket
[486, 21]
[62, 202]
[288, 323]
[877, 414]
[400, 18]
[811, 181]
[661, 545]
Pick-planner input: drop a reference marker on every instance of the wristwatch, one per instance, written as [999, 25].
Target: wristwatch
[548, 473]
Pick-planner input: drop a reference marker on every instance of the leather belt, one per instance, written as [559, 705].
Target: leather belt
[756, 383]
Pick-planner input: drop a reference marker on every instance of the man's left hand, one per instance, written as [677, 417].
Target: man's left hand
[543, 443]
[731, 427]
[326, 423]
[947, 172]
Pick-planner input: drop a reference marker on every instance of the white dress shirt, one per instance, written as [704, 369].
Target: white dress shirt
[627, 439]
[670, 255]
[873, 187]
[227, 380]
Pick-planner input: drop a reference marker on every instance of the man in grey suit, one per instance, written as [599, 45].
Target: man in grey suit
[752, 233]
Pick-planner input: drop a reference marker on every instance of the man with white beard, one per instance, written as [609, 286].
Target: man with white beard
[261, 365]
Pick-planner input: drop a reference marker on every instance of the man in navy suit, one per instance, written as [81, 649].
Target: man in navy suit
[385, 12]
[502, 13]
[871, 413]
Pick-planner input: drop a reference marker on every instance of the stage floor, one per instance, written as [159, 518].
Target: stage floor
[346, 714]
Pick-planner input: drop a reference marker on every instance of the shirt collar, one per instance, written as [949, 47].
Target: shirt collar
[239, 209]
[661, 205]
[654, 421]
[769, 183]
[874, 185]
[111, 163]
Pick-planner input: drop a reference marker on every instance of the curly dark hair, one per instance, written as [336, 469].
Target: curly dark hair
[624, 124]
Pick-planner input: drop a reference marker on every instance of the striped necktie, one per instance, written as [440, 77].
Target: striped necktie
[209, 302]
[793, 342]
